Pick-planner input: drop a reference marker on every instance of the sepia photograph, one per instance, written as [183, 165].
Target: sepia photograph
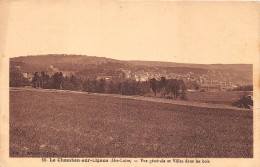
[81, 106]
[130, 82]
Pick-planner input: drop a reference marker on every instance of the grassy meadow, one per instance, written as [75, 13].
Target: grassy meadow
[90, 125]
[219, 97]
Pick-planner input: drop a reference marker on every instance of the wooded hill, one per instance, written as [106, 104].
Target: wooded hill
[93, 66]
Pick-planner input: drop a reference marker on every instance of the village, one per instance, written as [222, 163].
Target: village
[212, 81]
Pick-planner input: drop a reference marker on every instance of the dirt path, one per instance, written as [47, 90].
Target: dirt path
[151, 99]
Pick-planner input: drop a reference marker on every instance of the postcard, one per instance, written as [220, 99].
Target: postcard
[129, 83]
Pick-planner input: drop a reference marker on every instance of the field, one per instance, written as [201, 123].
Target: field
[219, 97]
[90, 125]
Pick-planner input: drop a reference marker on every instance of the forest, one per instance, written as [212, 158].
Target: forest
[118, 85]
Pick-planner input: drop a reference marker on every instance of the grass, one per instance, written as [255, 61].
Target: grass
[219, 97]
[83, 125]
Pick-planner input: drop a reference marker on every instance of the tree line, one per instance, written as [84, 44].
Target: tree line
[244, 88]
[16, 78]
[116, 86]
[174, 87]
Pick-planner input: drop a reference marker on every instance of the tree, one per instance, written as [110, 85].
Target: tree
[119, 88]
[163, 83]
[36, 80]
[44, 80]
[94, 84]
[144, 87]
[183, 89]
[153, 85]
[17, 79]
[134, 87]
[60, 79]
[173, 87]
[112, 87]
[75, 83]
[87, 86]
[66, 83]
[192, 85]
[101, 88]
[57, 80]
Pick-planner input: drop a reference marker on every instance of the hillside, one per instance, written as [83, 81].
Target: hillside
[107, 126]
[246, 67]
[85, 66]
[63, 62]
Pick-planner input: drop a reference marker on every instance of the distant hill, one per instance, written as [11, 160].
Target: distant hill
[100, 66]
[63, 62]
[246, 67]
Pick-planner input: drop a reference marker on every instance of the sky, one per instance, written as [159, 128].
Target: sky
[185, 32]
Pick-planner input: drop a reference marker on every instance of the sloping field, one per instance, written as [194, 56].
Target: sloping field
[87, 125]
[220, 97]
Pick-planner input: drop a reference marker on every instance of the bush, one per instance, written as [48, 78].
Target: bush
[169, 97]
